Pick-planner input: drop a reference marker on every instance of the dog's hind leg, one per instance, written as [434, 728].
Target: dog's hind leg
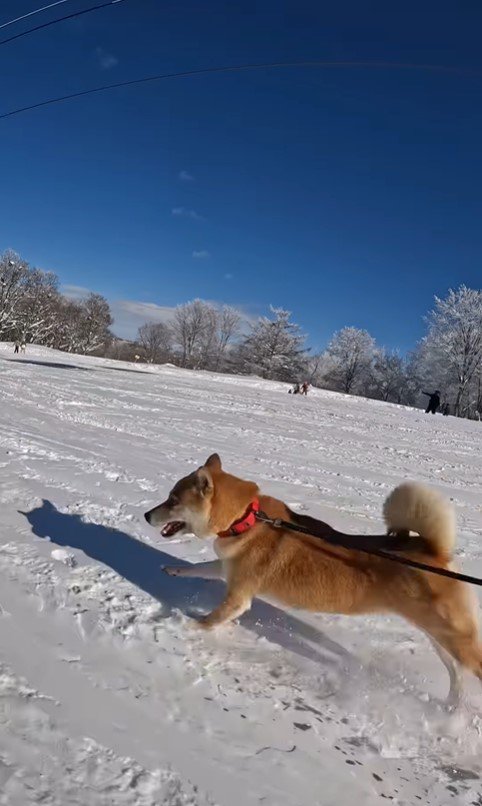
[210, 570]
[454, 672]
[452, 627]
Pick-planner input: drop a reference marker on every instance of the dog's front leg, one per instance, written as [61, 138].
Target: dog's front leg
[210, 570]
[235, 604]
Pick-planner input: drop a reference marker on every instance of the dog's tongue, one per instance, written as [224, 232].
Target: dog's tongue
[171, 528]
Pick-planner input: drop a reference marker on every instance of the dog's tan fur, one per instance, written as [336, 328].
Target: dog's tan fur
[309, 573]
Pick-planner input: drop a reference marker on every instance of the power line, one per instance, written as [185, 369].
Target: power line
[31, 13]
[432, 68]
[60, 19]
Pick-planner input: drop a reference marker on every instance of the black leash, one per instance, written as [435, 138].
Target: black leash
[278, 523]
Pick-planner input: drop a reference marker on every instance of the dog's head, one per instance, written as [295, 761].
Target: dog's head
[204, 503]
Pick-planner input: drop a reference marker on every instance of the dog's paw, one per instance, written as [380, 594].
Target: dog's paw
[172, 570]
[200, 624]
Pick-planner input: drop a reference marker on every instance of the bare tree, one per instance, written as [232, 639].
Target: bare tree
[206, 350]
[202, 333]
[156, 341]
[228, 327]
[317, 368]
[188, 329]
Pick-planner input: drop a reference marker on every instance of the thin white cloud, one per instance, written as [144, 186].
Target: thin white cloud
[75, 291]
[185, 176]
[228, 276]
[129, 315]
[184, 212]
[105, 59]
[201, 254]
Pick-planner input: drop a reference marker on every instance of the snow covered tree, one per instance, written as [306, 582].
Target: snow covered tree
[33, 310]
[82, 327]
[451, 354]
[156, 341]
[36, 311]
[94, 323]
[349, 357]
[66, 336]
[476, 403]
[388, 377]
[13, 275]
[274, 349]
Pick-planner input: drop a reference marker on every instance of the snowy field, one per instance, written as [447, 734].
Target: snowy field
[108, 697]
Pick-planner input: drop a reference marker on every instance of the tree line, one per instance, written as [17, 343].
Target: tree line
[448, 358]
[32, 309]
[205, 336]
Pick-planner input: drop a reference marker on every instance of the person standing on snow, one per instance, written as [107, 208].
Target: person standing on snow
[434, 401]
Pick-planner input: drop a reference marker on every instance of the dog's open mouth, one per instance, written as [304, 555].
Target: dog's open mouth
[172, 528]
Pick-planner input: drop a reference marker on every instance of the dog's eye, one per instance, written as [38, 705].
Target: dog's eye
[173, 500]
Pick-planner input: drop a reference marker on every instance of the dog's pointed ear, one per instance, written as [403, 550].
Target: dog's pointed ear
[214, 462]
[204, 481]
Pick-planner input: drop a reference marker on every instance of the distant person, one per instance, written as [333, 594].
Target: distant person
[23, 347]
[296, 389]
[304, 388]
[17, 347]
[445, 408]
[434, 401]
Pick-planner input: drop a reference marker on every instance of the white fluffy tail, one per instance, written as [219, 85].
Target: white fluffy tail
[416, 508]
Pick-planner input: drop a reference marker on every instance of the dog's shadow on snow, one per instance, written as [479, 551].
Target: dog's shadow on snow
[141, 564]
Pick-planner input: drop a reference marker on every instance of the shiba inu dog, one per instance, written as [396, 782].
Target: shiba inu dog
[310, 573]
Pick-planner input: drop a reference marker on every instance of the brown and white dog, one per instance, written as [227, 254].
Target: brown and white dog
[307, 572]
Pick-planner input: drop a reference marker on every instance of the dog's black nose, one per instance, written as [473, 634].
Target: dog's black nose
[147, 516]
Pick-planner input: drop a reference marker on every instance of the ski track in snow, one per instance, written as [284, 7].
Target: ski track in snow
[107, 694]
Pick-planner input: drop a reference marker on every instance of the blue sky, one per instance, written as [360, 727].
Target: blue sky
[349, 196]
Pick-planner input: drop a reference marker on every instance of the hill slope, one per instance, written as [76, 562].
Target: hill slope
[107, 696]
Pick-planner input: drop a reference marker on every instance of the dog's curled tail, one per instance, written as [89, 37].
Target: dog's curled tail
[416, 508]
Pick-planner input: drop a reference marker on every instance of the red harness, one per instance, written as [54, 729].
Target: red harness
[247, 521]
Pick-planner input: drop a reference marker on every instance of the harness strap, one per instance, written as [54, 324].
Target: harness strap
[278, 523]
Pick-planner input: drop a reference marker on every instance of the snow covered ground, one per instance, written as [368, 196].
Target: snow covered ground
[107, 696]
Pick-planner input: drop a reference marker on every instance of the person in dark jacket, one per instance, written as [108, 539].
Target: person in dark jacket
[434, 401]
